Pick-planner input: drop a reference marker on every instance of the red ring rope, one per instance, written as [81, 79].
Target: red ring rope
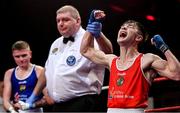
[172, 108]
[158, 79]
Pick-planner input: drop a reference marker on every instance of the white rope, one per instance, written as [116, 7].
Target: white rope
[105, 87]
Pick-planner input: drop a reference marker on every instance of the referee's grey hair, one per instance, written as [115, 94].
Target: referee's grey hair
[68, 8]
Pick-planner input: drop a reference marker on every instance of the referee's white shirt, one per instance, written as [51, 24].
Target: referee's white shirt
[68, 73]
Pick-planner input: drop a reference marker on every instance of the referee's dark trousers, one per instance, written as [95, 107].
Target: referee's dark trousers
[86, 103]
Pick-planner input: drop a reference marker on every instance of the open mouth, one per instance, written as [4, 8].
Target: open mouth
[123, 34]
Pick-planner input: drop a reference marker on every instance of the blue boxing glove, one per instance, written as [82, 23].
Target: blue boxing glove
[94, 28]
[159, 43]
[93, 19]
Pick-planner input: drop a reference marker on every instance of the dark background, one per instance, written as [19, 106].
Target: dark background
[34, 21]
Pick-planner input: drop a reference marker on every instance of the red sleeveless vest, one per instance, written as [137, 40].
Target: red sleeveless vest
[128, 88]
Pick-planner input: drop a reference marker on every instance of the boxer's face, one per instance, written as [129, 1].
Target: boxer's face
[22, 57]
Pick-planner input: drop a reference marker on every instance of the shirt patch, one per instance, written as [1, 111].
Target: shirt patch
[71, 60]
[120, 81]
[22, 87]
[54, 50]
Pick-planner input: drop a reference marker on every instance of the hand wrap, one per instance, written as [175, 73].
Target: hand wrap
[26, 106]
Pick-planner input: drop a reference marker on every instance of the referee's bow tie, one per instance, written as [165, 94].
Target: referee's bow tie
[65, 40]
